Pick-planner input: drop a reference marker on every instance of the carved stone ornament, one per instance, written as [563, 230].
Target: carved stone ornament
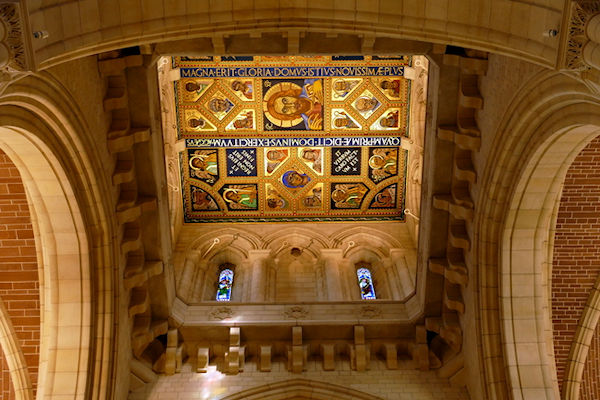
[296, 312]
[15, 45]
[370, 312]
[580, 12]
[221, 313]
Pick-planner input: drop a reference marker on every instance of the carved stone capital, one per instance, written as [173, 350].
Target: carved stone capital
[16, 55]
[575, 37]
[15, 43]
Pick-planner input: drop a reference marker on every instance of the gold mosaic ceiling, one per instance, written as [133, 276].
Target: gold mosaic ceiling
[292, 138]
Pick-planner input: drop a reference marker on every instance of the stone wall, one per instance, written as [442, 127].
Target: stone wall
[576, 260]
[406, 383]
[19, 282]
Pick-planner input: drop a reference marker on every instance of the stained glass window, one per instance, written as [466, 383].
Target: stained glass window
[365, 283]
[225, 285]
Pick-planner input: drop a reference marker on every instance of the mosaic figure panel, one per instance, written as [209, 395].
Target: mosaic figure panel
[240, 197]
[292, 138]
[383, 163]
[295, 105]
[299, 183]
[386, 198]
[298, 96]
[347, 195]
[204, 165]
[340, 120]
[201, 201]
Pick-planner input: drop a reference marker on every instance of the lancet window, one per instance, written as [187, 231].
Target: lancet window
[365, 283]
[225, 283]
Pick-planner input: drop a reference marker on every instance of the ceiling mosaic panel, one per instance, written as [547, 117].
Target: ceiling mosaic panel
[292, 138]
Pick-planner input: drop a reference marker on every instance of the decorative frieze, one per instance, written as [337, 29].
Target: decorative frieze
[15, 44]
[580, 13]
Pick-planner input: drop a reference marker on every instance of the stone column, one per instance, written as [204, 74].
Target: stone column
[333, 277]
[393, 279]
[186, 279]
[403, 270]
[199, 281]
[259, 273]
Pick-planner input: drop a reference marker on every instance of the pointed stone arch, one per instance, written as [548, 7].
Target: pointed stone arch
[301, 389]
[40, 131]
[546, 129]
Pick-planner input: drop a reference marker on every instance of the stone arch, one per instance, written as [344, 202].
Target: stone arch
[548, 128]
[371, 235]
[67, 201]
[588, 323]
[244, 240]
[368, 28]
[10, 348]
[300, 389]
[296, 237]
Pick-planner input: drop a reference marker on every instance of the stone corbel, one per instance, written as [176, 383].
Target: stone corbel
[293, 42]
[328, 354]
[359, 352]
[265, 352]
[173, 353]
[367, 44]
[420, 352]
[218, 42]
[202, 359]
[391, 355]
[144, 331]
[297, 353]
[235, 355]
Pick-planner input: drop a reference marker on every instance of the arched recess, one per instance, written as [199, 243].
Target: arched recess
[44, 134]
[536, 142]
[294, 389]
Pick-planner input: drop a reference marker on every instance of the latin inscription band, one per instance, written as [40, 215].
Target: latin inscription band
[288, 72]
[295, 142]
